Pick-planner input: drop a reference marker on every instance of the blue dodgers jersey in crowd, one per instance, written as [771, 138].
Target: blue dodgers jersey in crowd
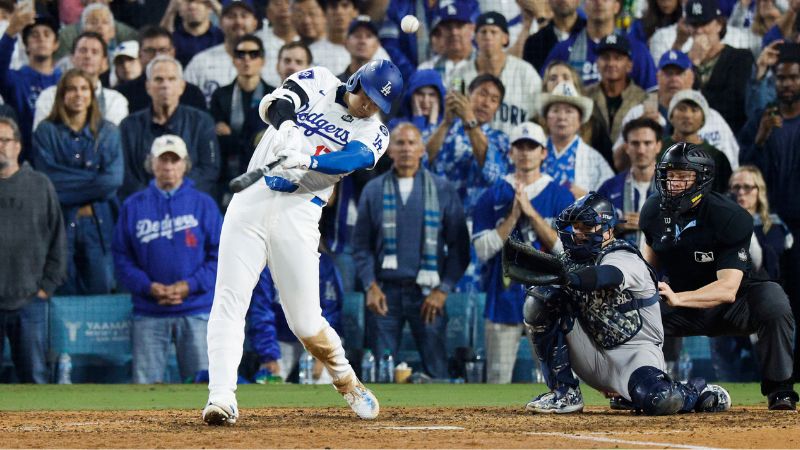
[504, 305]
[643, 73]
[266, 323]
[456, 163]
[165, 240]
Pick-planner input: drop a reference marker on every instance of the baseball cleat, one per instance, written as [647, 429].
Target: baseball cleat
[783, 401]
[218, 415]
[557, 401]
[619, 403]
[714, 398]
[363, 402]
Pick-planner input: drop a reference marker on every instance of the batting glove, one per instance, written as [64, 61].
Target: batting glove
[293, 159]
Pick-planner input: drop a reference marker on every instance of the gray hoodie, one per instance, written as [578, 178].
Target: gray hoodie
[33, 246]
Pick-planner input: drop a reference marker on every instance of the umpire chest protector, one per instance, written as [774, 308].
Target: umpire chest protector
[610, 316]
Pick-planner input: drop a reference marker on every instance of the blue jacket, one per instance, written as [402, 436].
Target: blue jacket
[266, 322]
[197, 130]
[20, 89]
[643, 73]
[166, 240]
[83, 169]
[420, 79]
[614, 190]
[504, 301]
[402, 47]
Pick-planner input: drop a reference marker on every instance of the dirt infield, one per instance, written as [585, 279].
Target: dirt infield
[400, 427]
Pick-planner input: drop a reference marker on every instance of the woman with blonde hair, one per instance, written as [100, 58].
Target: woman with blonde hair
[771, 237]
[592, 132]
[82, 155]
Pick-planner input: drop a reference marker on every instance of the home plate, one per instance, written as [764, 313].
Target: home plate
[432, 427]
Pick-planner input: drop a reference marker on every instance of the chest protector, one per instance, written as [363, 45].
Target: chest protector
[610, 316]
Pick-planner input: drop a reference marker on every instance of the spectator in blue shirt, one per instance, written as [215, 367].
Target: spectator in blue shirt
[579, 50]
[277, 347]
[522, 205]
[411, 246]
[191, 27]
[465, 149]
[166, 115]
[20, 88]
[81, 154]
[165, 253]
[409, 50]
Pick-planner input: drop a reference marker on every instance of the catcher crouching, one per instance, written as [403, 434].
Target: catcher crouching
[595, 310]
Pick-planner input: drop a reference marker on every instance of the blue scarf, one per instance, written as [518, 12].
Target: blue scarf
[428, 276]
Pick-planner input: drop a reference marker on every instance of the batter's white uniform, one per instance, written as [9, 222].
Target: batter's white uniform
[281, 229]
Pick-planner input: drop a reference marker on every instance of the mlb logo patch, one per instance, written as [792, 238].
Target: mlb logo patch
[384, 130]
[307, 75]
[704, 257]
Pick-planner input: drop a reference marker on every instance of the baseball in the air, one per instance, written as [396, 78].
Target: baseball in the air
[409, 24]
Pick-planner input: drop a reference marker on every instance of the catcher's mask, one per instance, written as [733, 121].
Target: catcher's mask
[675, 198]
[588, 212]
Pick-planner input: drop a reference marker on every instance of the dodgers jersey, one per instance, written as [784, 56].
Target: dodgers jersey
[326, 126]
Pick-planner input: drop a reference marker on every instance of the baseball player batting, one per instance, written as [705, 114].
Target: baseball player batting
[602, 319]
[321, 130]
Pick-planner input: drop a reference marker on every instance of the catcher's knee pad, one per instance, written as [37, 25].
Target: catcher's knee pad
[654, 392]
[541, 306]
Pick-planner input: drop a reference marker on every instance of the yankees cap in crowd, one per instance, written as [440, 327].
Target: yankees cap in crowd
[362, 21]
[614, 43]
[41, 19]
[689, 95]
[528, 131]
[675, 58]
[492, 18]
[169, 143]
[700, 12]
[127, 48]
[457, 11]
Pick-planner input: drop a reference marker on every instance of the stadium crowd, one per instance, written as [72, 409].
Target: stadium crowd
[123, 122]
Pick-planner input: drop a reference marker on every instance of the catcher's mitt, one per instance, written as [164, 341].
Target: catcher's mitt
[526, 265]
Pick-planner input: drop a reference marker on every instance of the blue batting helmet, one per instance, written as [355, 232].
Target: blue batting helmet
[381, 80]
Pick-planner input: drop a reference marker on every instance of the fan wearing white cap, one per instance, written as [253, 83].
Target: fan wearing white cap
[570, 161]
[688, 110]
[522, 205]
[127, 66]
[165, 253]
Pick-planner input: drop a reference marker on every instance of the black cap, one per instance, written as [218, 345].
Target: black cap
[41, 19]
[700, 12]
[614, 42]
[492, 18]
[362, 21]
[789, 52]
[238, 4]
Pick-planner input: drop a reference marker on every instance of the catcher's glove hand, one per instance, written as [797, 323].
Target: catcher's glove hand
[526, 265]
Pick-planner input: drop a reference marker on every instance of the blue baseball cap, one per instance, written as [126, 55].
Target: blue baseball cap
[700, 12]
[614, 43]
[457, 11]
[675, 58]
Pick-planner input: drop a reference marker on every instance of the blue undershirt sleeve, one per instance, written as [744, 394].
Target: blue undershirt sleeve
[353, 156]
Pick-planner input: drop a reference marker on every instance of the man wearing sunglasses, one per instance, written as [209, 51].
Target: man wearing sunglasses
[235, 110]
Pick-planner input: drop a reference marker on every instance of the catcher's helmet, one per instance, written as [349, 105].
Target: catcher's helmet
[590, 210]
[684, 156]
[381, 80]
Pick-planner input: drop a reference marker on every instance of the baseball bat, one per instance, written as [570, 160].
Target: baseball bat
[245, 180]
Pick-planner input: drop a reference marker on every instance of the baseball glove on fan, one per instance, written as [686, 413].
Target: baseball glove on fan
[524, 264]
